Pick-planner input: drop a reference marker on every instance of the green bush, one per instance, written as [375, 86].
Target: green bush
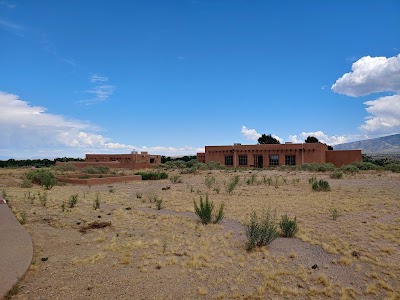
[95, 170]
[366, 166]
[315, 167]
[42, 177]
[205, 211]
[336, 174]
[288, 227]
[394, 167]
[212, 165]
[312, 179]
[260, 231]
[152, 175]
[209, 181]
[232, 184]
[26, 183]
[350, 169]
[72, 201]
[321, 186]
[65, 167]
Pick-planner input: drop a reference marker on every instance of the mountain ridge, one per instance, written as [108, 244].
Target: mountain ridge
[389, 144]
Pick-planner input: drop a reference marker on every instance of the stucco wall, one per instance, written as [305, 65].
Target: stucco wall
[343, 157]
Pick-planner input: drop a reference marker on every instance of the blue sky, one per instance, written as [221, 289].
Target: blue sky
[170, 77]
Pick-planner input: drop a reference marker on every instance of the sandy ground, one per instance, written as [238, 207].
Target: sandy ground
[167, 254]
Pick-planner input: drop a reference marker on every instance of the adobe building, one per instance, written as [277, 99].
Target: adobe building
[133, 160]
[266, 155]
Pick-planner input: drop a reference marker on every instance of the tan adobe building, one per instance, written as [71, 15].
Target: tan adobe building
[266, 155]
[133, 160]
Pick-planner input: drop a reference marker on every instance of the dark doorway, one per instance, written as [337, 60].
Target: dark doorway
[258, 161]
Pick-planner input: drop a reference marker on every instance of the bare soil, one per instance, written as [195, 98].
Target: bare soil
[128, 249]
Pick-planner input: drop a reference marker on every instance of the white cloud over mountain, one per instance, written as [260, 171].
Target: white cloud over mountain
[373, 75]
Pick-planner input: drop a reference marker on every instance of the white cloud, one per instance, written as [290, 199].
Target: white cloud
[370, 75]
[373, 75]
[324, 138]
[250, 134]
[385, 114]
[98, 78]
[100, 92]
[30, 131]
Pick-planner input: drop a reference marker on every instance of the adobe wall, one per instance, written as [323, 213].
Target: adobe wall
[104, 180]
[343, 157]
[313, 152]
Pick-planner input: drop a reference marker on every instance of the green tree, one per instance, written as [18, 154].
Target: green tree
[267, 139]
[311, 139]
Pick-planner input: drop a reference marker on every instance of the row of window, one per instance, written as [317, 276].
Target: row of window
[290, 160]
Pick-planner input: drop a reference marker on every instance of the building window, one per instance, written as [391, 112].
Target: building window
[152, 160]
[290, 160]
[229, 160]
[242, 160]
[274, 160]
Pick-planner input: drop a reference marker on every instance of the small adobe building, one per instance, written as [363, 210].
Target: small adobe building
[133, 160]
[267, 155]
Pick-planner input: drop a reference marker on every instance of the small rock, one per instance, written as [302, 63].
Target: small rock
[109, 214]
[99, 216]
[128, 208]
[314, 267]
[356, 254]
[44, 258]
[78, 223]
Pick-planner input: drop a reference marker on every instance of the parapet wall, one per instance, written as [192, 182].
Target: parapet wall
[343, 157]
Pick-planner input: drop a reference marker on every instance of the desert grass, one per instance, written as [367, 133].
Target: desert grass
[187, 259]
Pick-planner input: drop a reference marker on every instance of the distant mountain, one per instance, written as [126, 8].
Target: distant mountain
[384, 145]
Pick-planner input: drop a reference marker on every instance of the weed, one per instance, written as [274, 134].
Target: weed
[260, 231]
[43, 199]
[209, 181]
[175, 179]
[23, 218]
[312, 179]
[26, 183]
[217, 189]
[321, 186]
[159, 203]
[96, 202]
[232, 184]
[205, 211]
[336, 174]
[73, 199]
[334, 212]
[63, 206]
[288, 227]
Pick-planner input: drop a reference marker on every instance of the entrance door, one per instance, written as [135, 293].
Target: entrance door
[258, 161]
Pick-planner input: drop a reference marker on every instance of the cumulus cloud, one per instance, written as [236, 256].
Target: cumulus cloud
[385, 114]
[370, 75]
[373, 75]
[250, 134]
[324, 138]
[30, 131]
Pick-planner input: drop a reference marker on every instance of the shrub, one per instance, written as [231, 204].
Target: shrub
[312, 179]
[334, 213]
[260, 231]
[288, 227]
[73, 199]
[205, 211]
[66, 167]
[95, 170]
[42, 177]
[96, 202]
[26, 183]
[350, 169]
[232, 184]
[152, 175]
[336, 174]
[175, 179]
[23, 218]
[209, 181]
[315, 167]
[394, 167]
[321, 186]
[43, 199]
[159, 203]
[326, 167]
[366, 166]
[212, 165]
